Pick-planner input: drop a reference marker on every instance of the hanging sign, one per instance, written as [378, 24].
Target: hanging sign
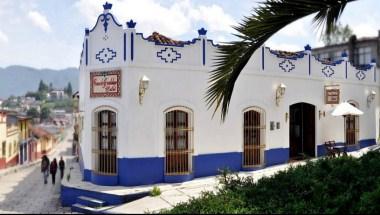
[332, 94]
[105, 84]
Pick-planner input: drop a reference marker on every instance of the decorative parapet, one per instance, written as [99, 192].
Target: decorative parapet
[108, 44]
[303, 64]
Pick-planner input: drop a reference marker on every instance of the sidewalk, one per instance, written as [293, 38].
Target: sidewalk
[176, 193]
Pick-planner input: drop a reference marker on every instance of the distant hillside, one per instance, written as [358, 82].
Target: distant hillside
[17, 80]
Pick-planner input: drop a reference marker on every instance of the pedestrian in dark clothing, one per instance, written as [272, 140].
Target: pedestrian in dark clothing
[62, 166]
[53, 170]
[45, 168]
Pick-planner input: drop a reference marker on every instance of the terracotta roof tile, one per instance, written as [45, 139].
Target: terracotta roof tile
[161, 39]
[40, 132]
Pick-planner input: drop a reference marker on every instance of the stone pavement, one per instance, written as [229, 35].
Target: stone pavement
[175, 193]
[23, 191]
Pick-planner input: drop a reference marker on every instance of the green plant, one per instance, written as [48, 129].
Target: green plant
[156, 191]
[341, 185]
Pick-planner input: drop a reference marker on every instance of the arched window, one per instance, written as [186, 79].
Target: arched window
[254, 137]
[351, 125]
[105, 147]
[178, 141]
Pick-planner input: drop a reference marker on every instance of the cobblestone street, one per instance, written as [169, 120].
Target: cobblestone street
[25, 192]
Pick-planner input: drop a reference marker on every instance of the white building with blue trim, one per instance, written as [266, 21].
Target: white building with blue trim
[146, 120]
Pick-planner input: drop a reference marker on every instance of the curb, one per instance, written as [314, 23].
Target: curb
[17, 168]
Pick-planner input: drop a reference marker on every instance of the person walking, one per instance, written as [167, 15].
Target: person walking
[45, 168]
[61, 166]
[53, 170]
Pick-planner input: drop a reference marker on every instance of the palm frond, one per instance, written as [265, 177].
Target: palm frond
[267, 19]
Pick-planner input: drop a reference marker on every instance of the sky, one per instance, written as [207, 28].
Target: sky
[49, 33]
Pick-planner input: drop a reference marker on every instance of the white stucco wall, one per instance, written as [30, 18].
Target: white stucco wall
[184, 83]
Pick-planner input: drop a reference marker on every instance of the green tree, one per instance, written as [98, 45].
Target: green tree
[267, 19]
[51, 87]
[45, 113]
[33, 112]
[69, 90]
[339, 34]
[31, 94]
[42, 87]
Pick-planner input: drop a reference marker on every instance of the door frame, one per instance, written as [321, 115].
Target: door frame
[190, 121]
[315, 127]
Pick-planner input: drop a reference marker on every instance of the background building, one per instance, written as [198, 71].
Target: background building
[360, 51]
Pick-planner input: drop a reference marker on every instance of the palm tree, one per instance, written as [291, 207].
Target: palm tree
[267, 19]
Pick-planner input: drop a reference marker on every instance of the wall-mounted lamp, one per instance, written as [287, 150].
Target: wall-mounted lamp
[280, 92]
[286, 117]
[371, 97]
[144, 84]
[322, 113]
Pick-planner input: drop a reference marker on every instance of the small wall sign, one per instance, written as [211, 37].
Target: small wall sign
[332, 94]
[105, 84]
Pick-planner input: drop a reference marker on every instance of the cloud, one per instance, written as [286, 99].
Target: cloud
[215, 18]
[177, 19]
[365, 29]
[39, 20]
[3, 37]
[296, 29]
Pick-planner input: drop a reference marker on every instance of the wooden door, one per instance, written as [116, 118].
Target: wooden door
[302, 130]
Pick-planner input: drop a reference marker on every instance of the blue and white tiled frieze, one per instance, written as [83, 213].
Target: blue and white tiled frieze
[168, 55]
[360, 75]
[105, 55]
[286, 65]
[328, 71]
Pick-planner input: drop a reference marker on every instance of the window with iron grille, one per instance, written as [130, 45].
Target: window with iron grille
[178, 139]
[105, 148]
[254, 137]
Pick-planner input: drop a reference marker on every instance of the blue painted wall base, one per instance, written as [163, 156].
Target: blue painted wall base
[145, 171]
[178, 178]
[321, 149]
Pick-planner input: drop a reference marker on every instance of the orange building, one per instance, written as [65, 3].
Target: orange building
[42, 142]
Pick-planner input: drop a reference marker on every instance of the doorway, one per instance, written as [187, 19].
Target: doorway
[302, 131]
[351, 124]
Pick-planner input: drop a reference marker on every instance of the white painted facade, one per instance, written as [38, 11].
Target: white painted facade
[183, 82]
